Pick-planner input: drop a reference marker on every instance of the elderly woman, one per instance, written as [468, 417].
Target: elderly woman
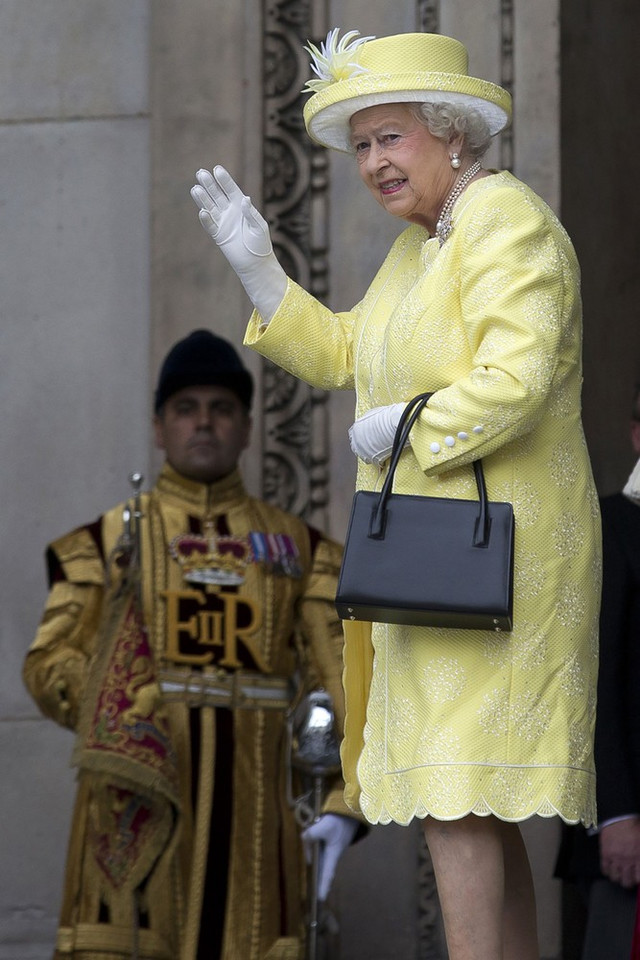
[478, 301]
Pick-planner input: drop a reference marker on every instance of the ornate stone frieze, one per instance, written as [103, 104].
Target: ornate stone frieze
[429, 16]
[507, 77]
[294, 442]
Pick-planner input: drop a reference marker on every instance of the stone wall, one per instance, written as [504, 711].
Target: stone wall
[75, 334]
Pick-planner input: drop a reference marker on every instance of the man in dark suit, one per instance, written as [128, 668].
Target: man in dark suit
[606, 864]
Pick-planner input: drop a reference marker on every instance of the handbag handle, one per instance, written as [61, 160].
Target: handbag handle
[379, 513]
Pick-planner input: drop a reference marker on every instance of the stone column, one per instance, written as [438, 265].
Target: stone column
[74, 257]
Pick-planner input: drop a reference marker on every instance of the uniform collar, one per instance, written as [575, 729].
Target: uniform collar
[200, 498]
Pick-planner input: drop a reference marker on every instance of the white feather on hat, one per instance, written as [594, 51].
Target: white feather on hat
[357, 72]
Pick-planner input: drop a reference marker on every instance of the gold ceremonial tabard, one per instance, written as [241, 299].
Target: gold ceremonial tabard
[227, 658]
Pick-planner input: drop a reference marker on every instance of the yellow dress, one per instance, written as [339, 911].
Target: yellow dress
[447, 722]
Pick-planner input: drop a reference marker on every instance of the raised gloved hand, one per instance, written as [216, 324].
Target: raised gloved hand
[334, 834]
[242, 234]
[371, 436]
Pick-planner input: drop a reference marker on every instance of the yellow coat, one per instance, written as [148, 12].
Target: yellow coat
[471, 721]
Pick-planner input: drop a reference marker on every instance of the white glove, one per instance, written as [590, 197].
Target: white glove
[334, 834]
[243, 236]
[371, 436]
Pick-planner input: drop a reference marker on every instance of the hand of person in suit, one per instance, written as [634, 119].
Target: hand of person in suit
[620, 851]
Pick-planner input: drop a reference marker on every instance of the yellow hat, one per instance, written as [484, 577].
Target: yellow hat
[358, 72]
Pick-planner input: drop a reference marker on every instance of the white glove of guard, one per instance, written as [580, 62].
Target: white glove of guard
[334, 834]
[243, 236]
[371, 436]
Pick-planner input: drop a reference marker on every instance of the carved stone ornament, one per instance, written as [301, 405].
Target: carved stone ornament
[295, 180]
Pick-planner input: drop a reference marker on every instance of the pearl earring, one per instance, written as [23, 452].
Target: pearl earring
[455, 161]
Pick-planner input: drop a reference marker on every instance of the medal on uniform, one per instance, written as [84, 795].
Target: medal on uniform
[212, 558]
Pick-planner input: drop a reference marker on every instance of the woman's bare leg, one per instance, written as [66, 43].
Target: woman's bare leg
[485, 890]
[520, 924]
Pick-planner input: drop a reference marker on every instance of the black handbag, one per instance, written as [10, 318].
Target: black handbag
[427, 561]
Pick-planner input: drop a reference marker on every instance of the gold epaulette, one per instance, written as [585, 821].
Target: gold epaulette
[79, 557]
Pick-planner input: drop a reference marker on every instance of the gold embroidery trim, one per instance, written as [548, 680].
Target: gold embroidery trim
[258, 827]
[95, 937]
[201, 833]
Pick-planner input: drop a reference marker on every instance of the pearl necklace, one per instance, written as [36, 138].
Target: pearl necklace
[444, 224]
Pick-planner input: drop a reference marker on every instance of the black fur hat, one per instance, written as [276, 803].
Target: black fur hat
[203, 359]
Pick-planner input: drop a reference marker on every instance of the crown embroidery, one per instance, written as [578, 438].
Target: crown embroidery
[214, 559]
[211, 559]
[335, 60]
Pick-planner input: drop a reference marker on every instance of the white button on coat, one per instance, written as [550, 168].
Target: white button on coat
[434, 447]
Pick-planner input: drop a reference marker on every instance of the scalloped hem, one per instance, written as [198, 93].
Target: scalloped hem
[481, 808]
